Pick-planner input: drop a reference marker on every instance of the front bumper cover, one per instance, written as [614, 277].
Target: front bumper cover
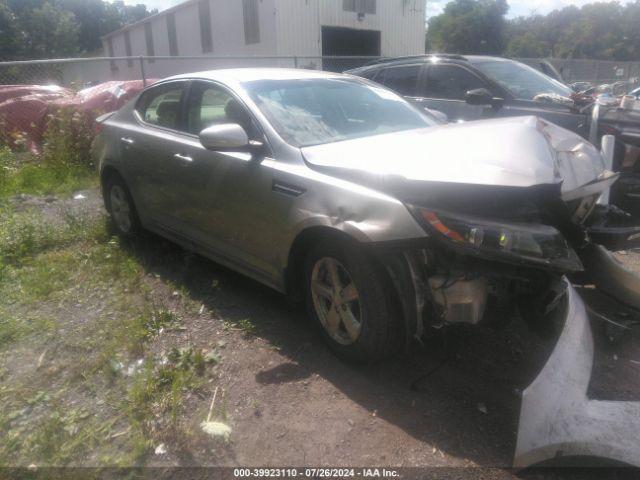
[557, 419]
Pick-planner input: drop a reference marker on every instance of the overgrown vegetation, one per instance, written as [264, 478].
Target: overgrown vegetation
[65, 164]
[80, 381]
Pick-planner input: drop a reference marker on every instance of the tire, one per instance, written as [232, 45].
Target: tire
[365, 292]
[121, 208]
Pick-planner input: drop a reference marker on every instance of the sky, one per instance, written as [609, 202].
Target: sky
[434, 7]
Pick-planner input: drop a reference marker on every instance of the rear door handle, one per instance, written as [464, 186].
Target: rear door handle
[127, 141]
[183, 158]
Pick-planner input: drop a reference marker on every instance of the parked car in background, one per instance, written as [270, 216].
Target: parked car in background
[477, 87]
[468, 88]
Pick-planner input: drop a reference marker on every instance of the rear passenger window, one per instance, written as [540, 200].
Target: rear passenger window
[450, 82]
[162, 107]
[403, 80]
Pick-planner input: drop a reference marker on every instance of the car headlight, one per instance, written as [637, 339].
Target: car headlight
[512, 242]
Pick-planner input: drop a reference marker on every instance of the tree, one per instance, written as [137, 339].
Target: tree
[10, 34]
[527, 46]
[470, 26]
[599, 31]
[31, 29]
[51, 32]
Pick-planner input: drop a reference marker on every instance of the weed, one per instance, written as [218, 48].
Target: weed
[160, 319]
[68, 139]
[244, 325]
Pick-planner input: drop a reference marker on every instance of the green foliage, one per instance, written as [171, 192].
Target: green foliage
[469, 27]
[31, 29]
[527, 46]
[599, 31]
[9, 32]
[51, 32]
[68, 139]
[64, 166]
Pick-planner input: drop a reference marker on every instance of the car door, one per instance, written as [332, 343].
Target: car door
[444, 89]
[147, 148]
[227, 196]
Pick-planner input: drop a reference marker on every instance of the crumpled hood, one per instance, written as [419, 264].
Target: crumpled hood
[510, 152]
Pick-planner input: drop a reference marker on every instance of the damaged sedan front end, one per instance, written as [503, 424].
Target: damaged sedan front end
[503, 237]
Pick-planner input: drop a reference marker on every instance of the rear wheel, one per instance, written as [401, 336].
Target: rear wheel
[121, 207]
[348, 297]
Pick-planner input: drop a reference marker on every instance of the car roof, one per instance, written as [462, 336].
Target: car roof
[240, 75]
[430, 57]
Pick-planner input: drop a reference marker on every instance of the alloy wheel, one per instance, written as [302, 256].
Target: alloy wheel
[336, 301]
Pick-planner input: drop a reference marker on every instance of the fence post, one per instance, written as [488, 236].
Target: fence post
[144, 77]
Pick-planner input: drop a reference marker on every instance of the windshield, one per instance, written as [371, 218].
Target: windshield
[308, 112]
[521, 80]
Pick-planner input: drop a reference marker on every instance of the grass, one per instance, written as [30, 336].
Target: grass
[25, 174]
[77, 322]
[44, 180]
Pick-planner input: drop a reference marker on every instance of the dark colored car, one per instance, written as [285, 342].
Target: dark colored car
[468, 88]
[473, 88]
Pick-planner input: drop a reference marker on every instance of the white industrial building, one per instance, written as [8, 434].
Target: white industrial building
[305, 29]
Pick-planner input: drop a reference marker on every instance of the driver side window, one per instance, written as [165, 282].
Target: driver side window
[450, 82]
[210, 105]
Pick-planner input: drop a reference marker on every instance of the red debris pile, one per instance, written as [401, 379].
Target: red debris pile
[25, 109]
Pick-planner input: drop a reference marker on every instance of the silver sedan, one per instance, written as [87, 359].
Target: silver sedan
[328, 187]
[386, 223]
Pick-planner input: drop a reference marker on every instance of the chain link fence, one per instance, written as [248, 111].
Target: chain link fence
[596, 72]
[80, 73]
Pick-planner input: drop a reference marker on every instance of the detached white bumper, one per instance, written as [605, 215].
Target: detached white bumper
[556, 417]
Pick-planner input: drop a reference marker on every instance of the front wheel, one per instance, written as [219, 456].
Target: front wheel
[350, 301]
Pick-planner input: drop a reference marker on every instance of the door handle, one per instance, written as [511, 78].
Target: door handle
[183, 158]
[127, 141]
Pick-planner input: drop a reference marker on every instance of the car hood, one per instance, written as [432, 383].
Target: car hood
[510, 152]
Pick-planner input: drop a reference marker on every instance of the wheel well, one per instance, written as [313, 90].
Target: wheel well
[302, 245]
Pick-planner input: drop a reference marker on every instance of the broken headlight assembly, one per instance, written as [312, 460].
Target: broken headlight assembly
[518, 243]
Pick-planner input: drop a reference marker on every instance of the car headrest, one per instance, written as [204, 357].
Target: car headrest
[235, 113]
[168, 112]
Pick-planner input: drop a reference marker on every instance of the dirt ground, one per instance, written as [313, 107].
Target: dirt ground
[453, 401]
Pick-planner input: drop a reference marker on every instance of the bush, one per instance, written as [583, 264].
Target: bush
[7, 164]
[68, 139]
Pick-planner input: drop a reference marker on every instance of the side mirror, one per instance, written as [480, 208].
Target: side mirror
[479, 96]
[226, 136]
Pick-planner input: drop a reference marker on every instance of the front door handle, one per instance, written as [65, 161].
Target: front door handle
[127, 141]
[183, 158]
